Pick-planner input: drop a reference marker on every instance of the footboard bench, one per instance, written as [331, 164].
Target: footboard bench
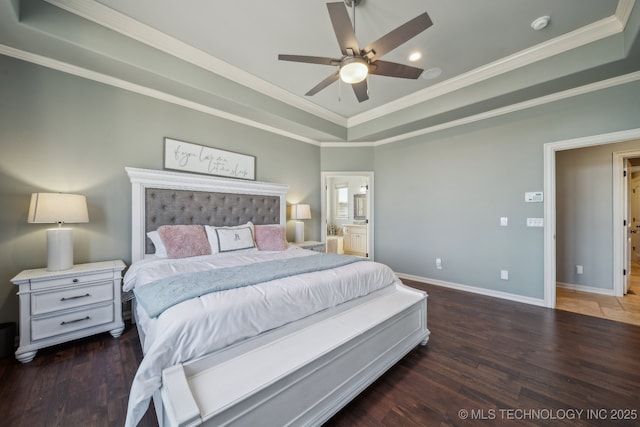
[301, 375]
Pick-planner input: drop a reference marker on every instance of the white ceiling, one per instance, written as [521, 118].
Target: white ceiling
[466, 35]
[221, 57]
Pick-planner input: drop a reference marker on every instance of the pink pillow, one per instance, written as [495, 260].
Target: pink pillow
[182, 241]
[270, 238]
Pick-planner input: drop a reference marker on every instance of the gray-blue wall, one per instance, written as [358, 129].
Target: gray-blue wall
[437, 195]
[442, 194]
[62, 133]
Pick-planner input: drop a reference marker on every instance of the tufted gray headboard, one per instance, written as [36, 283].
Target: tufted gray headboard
[168, 207]
[163, 197]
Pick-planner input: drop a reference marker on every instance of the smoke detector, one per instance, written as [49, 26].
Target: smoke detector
[540, 23]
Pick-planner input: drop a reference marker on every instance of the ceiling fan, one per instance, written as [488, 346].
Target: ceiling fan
[356, 64]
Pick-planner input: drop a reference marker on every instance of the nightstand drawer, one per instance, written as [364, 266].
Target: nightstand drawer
[71, 321]
[71, 280]
[58, 306]
[48, 302]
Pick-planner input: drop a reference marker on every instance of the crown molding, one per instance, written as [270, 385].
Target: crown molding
[623, 11]
[347, 144]
[582, 90]
[588, 34]
[600, 29]
[143, 90]
[116, 21]
[162, 96]
[125, 25]
[153, 93]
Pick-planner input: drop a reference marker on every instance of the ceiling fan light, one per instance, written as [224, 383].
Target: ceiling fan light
[353, 70]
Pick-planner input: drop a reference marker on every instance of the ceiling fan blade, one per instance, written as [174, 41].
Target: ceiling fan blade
[342, 27]
[393, 69]
[361, 90]
[309, 59]
[326, 82]
[400, 35]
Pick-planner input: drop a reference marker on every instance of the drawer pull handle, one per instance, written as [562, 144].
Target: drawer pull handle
[76, 297]
[74, 321]
[75, 280]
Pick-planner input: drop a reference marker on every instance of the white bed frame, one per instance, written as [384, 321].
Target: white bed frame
[299, 374]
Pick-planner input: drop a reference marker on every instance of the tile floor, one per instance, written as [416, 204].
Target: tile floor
[625, 309]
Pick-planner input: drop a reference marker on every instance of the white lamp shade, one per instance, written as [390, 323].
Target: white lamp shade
[301, 211]
[58, 208]
[51, 208]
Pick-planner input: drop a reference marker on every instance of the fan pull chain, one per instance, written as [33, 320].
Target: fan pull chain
[353, 14]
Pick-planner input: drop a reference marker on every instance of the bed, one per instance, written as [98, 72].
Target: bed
[291, 350]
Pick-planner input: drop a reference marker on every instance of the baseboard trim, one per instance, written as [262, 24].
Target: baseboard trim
[583, 288]
[473, 289]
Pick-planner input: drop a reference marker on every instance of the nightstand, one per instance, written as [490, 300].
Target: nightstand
[311, 245]
[60, 306]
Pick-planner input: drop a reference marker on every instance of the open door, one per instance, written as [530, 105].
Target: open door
[347, 211]
[630, 221]
[626, 217]
[634, 217]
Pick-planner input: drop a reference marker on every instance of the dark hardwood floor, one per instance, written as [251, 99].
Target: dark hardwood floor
[81, 383]
[489, 362]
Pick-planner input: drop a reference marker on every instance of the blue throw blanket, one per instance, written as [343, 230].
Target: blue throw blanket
[161, 294]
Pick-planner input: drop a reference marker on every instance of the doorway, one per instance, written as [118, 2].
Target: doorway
[620, 231]
[577, 296]
[632, 250]
[347, 206]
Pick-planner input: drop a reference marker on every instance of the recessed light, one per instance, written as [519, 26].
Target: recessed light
[431, 73]
[540, 23]
[415, 56]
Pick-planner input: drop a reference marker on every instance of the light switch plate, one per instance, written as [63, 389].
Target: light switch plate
[533, 197]
[504, 221]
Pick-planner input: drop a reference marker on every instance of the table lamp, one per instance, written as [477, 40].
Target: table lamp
[58, 208]
[299, 212]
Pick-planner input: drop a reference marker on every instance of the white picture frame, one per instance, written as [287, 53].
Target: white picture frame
[188, 157]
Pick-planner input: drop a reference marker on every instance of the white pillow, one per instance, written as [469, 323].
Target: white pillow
[161, 250]
[226, 239]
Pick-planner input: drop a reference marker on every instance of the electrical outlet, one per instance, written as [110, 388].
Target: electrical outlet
[504, 221]
[535, 222]
[504, 274]
[579, 269]
[439, 263]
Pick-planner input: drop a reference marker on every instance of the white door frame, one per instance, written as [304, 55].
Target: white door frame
[620, 199]
[619, 230]
[323, 204]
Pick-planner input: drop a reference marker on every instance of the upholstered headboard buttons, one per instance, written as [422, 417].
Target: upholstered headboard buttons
[170, 207]
[158, 196]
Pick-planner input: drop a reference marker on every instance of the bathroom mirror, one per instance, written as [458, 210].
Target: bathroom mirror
[359, 207]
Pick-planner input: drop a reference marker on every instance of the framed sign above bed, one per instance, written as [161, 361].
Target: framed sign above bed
[188, 157]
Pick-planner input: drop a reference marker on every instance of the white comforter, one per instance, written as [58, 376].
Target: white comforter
[201, 325]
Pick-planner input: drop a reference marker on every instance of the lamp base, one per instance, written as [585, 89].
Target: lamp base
[59, 249]
[299, 232]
